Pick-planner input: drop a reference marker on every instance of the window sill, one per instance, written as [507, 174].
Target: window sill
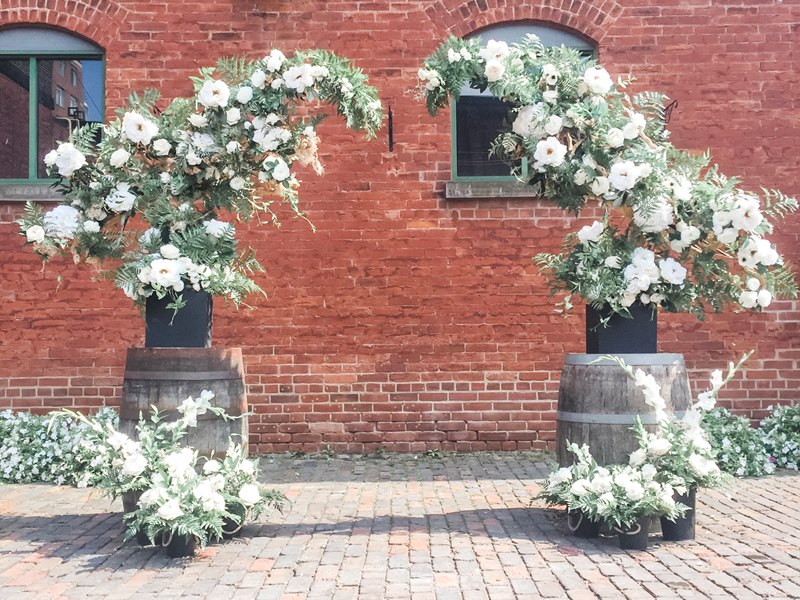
[464, 190]
[23, 192]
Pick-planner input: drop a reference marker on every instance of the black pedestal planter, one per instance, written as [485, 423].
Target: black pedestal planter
[190, 327]
[635, 537]
[681, 528]
[180, 546]
[581, 526]
[621, 335]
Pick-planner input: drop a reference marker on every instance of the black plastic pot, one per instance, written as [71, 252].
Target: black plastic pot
[180, 546]
[635, 537]
[622, 335]
[581, 526]
[681, 528]
[190, 327]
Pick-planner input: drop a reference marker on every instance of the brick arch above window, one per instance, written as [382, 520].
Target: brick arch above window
[592, 19]
[96, 20]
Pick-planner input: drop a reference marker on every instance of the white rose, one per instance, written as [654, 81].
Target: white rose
[648, 471]
[121, 199]
[553, 125]
[119, 157]
[213, 502]
[550, 152]
[613, 262]
[764, 298]
[624, 175]
[169, 251]
[275, 60]
[90, 226]
[637, 457]
[550, 96]
[69, 159]
[244, 95]
[167, 273]
[216, 228]
[672, 271]
[233, 116]
[702, 466]
[563, 475]
[35, 234]
[138, 129]
[214, 94]
[634, 127]
[580, 177]
[634, 491]
[249, 494]
[299, 78]
[615, 137]
[591, 233]
[598, 80]
[600, 186]
[494, 50]
[494, 70]
[526, 122]
[579, 488]
[280, 170]
[232, 146]
[162, 147]
[62, 222]
[50, 158]
[170, 510]
[192, 158]
[247, 467]
[258, 78]
[134, 465]
[658, 446]
[211, 466]
[237, 183]
[198, 120]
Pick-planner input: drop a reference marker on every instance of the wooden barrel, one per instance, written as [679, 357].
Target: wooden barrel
[598, 402]
[165, 377]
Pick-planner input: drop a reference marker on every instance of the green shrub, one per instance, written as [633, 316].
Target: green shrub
[739, 447]
[781, 432]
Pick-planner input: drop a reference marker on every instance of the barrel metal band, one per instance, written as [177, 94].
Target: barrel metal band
[609, 418]
[179, 376]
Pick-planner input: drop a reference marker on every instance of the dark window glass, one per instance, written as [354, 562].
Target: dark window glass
[14, 82]
[479, 120]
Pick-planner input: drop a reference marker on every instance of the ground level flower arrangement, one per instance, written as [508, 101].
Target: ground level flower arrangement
[739, 448]
[675, 233]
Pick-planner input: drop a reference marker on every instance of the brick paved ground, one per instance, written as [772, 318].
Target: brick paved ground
[406, 528]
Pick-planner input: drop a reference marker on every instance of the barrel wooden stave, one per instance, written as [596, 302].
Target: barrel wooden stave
[165, 377]
[596, 392]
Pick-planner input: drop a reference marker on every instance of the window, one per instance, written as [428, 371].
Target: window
[33, 85]
[478, 117]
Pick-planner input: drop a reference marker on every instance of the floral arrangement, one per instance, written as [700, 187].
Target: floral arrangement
[619, 495]
[50, 448]
[781, 431]
[187, 172]
[739, 448]
[675, 232]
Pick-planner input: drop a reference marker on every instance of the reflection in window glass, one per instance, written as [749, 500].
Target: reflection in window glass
[85, 100]
[14, 81]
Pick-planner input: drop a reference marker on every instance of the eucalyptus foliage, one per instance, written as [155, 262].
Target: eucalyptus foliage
[159, 192]
[675, 232]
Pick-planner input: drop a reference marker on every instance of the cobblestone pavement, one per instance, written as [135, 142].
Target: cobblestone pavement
[404, 527]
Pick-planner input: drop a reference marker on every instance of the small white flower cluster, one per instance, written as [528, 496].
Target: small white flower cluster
[169, 271]
[781, 434]
[66, 159]
[642, 275]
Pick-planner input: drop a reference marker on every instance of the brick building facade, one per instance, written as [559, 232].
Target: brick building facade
[410, 320]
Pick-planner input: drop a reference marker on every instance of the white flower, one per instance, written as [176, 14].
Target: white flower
[216, 228]
[550, 74]
[244, 95]
[50, 158]
[170, 510]
[213, 502]
[605, 503]
[119, 157]
[753, 284]
[453, 56]
[550, 152]
[648, 471]
[526, 123]
[624, 175]
[598, 80]
[90, 226]
[247, 467]
[280, 170]
[637, 457]
[705, 401]
[232, 146]
[275, 60]
[702, 466]
[615, 137]
[634, 127]
[192, 158]
[601, 483]
[214, 94]
[580, 487]
[211, 466]
[68, 159]
[563, 475]
[550, 96]
[137, 128]
[34, 234]
[249, 494]
[233, 115]
[764, 298]
[600, 186]
[613, 262]
[299, 78]
[258, 78]
[591, 233]
[658, 446]
[120, 199]
[198, 120]
[580, 177]
[757, 250]
[672, 271]
[494, 50]
[553, 125]
[634, 491]
[494, 70]
[169, 251]
[165, 177]
[237, 183]
[656, 218]
[747, 214]
[162, 147]
[62, 222]
[153, 496]
[167, 273]
[134, 465]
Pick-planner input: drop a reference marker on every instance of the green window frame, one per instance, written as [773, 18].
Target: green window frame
[39, 44]
[509, 33]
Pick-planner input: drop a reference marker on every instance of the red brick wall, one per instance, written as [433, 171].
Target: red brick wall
[410, 321]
